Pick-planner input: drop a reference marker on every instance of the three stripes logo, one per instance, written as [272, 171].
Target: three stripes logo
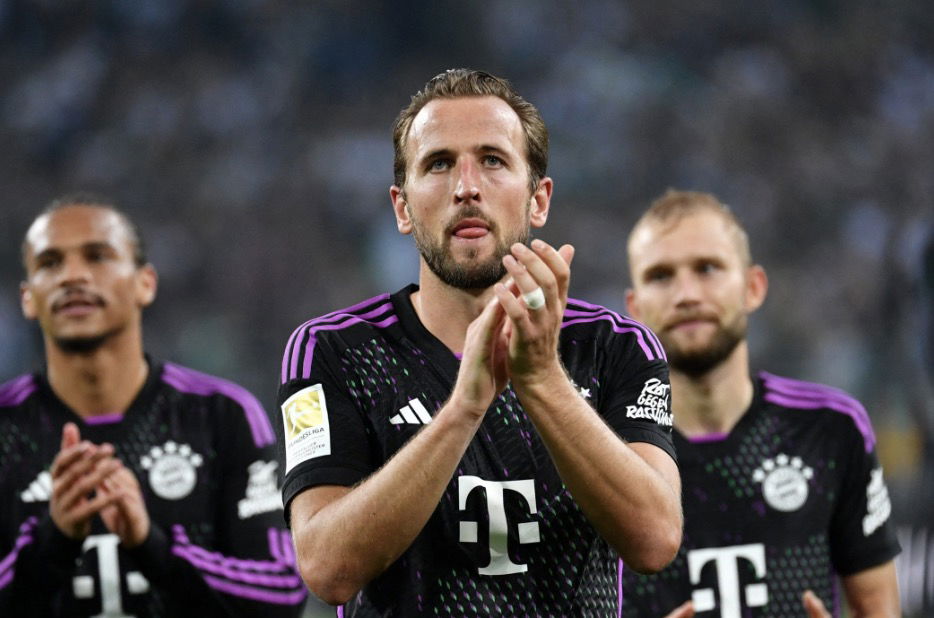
[412, 414]
[40, 490]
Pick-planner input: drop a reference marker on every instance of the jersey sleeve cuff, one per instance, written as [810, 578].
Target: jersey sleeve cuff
[56, 548]
[653, 437]
[152, 555]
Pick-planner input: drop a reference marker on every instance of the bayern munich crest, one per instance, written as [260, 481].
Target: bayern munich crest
[784, 482]
[172, 469]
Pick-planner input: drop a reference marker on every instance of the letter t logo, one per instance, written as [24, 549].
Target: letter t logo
[500, 564]
[726, 560]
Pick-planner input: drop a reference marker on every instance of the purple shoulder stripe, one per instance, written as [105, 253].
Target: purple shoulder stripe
[377, 311]
[196, 383]
[802, 395]
[578, 312]
[296, 334]
[17, 390]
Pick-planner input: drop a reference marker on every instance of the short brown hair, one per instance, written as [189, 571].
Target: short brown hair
[458, 83]
[675, 205]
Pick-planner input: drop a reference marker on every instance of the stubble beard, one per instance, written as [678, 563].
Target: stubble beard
[468, 274]
[84, 345]
[699, 361]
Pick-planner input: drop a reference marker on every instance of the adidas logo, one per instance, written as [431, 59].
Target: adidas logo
[412, 414]
[40, 490]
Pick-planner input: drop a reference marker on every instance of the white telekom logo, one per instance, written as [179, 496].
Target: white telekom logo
[726, 560]
[500, 563]
[108, 569]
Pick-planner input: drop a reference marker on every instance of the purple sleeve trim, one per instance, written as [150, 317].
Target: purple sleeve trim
[260, 579]
[265, 596]
[197, 383]
[338, 315]
[17, 390]
[241, 575]
[181, 540]
[25, 537]
[619, 588]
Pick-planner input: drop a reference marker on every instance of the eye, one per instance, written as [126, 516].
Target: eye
[48, 260]
[491, 160]
[657, 275]
[439, 165]
[706, 268]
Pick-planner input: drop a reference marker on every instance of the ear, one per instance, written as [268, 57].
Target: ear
[26, 302]
[540, 202]
[146, 283]
[403, 220]
[632, 308]
[757, 286]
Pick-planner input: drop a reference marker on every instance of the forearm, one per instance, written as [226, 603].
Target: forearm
[873, 593]
[352, 539]
[634, 506]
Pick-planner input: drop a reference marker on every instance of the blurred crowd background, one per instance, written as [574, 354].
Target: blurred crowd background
[250, 139]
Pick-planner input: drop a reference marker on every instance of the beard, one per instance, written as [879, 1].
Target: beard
[83, 345]
[472, 274]
[697, 362]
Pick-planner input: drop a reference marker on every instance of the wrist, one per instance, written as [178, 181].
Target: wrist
[543, 381]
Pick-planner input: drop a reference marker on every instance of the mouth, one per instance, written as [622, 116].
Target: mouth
[470, 229]
[689, 323]
[77, 304]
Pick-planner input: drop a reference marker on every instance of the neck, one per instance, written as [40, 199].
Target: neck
[713, 402]
[447, 311]
[105, 381]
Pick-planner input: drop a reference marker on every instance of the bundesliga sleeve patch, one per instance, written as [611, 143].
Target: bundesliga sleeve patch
[307, 432]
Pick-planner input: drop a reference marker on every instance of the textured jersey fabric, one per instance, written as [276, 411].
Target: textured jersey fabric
[790, 498]
[506, 539]
[203, 451]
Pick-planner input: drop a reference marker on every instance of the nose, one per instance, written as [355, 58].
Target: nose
[468, 183]
[74, 270]
[686, 290]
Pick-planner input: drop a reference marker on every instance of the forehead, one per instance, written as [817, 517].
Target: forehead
[465, 123]
[699, 235]
[74, 226]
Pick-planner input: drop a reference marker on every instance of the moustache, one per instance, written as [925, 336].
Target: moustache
[76, 297]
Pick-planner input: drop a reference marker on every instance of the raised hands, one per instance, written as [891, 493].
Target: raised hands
[510, 340]
[126, 516]
[88, 480]
[534, 305]
[77, 472]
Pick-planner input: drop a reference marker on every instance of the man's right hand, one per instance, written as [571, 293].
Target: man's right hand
[77, 470]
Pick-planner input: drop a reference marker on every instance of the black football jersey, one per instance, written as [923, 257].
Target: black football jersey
[792, 497]
[203, 451]
[506, 539]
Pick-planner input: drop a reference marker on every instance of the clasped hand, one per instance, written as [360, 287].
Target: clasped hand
[88, 480]
[510, 340]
